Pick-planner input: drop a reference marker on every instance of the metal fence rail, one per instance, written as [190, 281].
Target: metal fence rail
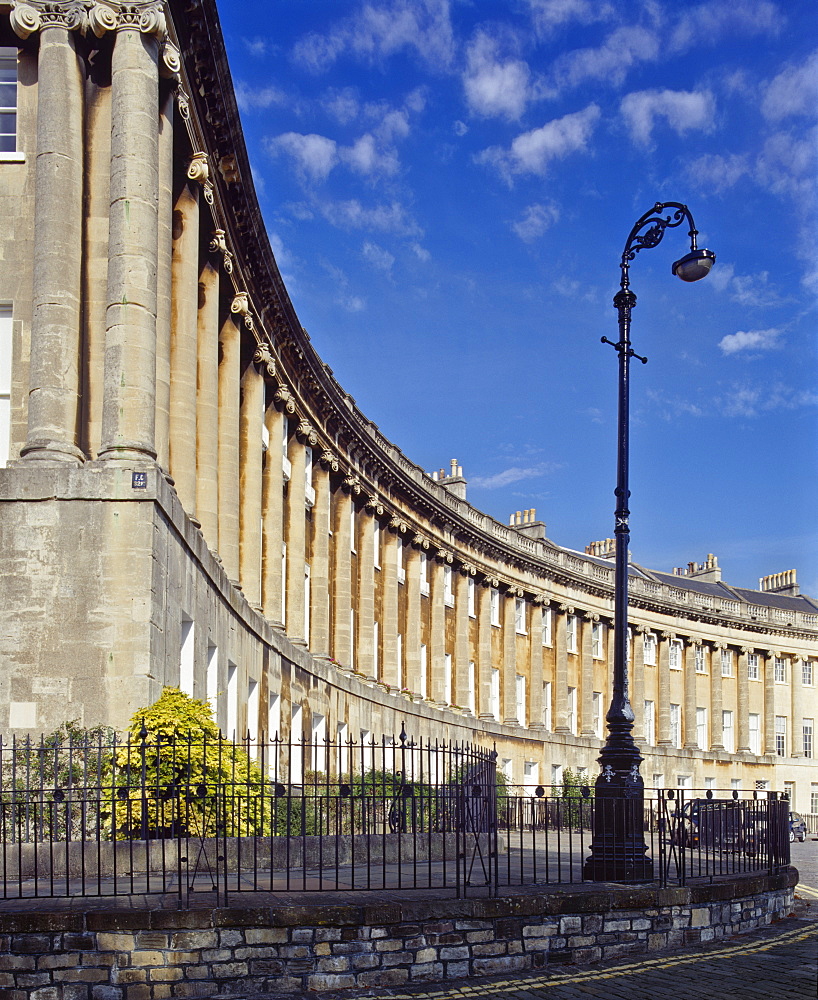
[192, 815]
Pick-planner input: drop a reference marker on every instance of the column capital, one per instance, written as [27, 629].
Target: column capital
[352, 485]
[34, 15]
[568, 609]
[374, 506]
[264, 358]
[668, 636]
[146, 16]
[328, 460]
[219, 245]
[397, 525]
[306, 433]
[420, 541]
[490, 581]
[199, 171]
[468, 569]
[747, 649]
[284, 399]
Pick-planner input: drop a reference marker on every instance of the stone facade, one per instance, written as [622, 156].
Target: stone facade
[131, 955]
[190, 498]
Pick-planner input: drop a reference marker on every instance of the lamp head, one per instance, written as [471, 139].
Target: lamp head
[694, 265]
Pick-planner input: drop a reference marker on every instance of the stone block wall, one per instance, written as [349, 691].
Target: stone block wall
[133, 955]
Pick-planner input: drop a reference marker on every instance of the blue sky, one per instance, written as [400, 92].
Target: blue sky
[448, 186]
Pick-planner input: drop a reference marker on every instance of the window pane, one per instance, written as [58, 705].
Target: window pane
[8, 132]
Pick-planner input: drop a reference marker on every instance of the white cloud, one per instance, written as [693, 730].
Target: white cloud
[787, 164]
[716, 173]
[351, 214]
[793, 92]
[380, 259]
[548, 15]
[314, 155]
[512, 475]
[364, 157]
[460, 128]
[343, 104]
[611, 61]
[535, 220]
[531, 152]
[256, 46]
[377, 31]
[684, 110]
[751, 399]
[715, 19]
[493, 87]
[258, 98]
[420, 252]
[747, 289]
[751, 340]
[344, 298]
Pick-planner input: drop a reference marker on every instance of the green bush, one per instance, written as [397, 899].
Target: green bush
[179, 775]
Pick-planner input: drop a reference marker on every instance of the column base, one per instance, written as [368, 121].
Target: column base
[127, 454]
[58, 452]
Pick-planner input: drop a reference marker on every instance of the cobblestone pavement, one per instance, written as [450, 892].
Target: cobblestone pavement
[779, 962]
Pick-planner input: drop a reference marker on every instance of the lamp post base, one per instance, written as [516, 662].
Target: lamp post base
[618, 849]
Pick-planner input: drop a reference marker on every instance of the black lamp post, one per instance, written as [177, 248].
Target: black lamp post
[618, 848]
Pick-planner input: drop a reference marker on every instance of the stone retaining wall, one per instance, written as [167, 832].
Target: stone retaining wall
[135, 955]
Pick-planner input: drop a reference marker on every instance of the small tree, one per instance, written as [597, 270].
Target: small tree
[572, 801]
[178, 775]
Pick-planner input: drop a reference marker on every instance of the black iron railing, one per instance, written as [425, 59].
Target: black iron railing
[206, 818]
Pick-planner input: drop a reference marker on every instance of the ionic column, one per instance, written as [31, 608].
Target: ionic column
[229, 397]
[743, 721]
[689, 665]
[411, 642]
[129, 399]
[184, 342]
[560, 691]
[797, 705]
[437, 630]
[664, 739]
[716, 702]
[461, 637]
[341, 580]
[769, 701]
[164, 279]
[365, 618]
[587, 676]
[295, 526]
[535, 683]
[390, 553]
[484, 664]
[637, 673]
[207, 406]
[54, 366]
[319, 556]
[251, 418]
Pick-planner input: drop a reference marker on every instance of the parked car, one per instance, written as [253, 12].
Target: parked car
[716, 825]
[798, 828]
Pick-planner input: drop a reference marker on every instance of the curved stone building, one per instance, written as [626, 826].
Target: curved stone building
[190, 498]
